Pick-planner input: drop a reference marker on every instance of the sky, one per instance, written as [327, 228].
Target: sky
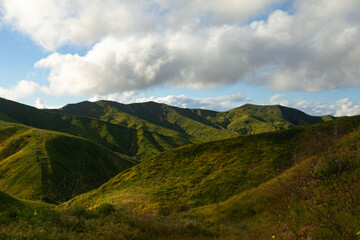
[213, 54]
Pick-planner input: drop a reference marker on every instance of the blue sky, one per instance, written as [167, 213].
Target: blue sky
[198, 54]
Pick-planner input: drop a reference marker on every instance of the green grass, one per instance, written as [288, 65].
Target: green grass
[7, 202]
[129, 141]
[50, 166]
[207, 173]
[103, 222]
[300, 183]
[144, 130]
[197, 124]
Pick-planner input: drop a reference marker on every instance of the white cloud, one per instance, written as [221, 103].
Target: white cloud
[188, 58]
[341, 107]
[40, 104]
[21, 90]
[220, 103]
[54, 23]
[193, 44]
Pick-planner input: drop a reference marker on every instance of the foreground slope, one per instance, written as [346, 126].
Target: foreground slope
[212, 172]
[7, 202]
[138, 143]
[318, 198]
[51, 166]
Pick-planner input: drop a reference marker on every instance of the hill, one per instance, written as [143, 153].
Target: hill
[51, 166]
[206, 173]
[196, 125]
[252, 119]
[155, 117]
[135, 143]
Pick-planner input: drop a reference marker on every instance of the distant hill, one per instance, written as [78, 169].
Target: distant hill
[129, 141]
[51, 166]
[197, 124]
[206, 173]
[250, 119]
[143, 130]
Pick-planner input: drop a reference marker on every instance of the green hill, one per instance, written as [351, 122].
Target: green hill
[51, 166]
[317, 198]
[196, 125]
[251, 119]
[206, 173]
[138, 143]
[155, 117]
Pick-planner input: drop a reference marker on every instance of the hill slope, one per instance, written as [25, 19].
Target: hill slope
[252, 119]
[156, 117]
[128, 141]
[212, 172]
[43, 165]
[7, 202]
[197, 124]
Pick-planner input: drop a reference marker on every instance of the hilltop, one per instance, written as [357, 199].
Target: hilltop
[198, 124]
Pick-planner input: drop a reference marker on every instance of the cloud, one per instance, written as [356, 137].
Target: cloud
[54, 23]
[135, 45]
[21, 90]
[40, 104]
[188, 58]
[341, 107]
[220, 103]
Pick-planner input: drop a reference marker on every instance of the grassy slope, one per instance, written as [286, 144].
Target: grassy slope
[252, 119]
[197, 124]
[132, 142]
[7, 201]
[212, 172]
[318, 198]
[51, 166]
[155, 117]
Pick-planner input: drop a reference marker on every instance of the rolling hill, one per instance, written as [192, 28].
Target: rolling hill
[197, 124]
[144, 130]
[51, 166]
[207, 173]
[289, 182]
[132, 142]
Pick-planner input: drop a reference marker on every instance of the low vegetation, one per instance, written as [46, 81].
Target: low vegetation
[296, 183]
[51, 166]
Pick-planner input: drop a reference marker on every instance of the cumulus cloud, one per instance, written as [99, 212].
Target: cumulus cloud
[21, 90]
[193, 44]
[219, 103]
[341, 107]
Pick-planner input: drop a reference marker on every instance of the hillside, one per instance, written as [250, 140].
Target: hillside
[198, 124]
[206, 173]
[317, 198]
[252, 119]
[135, 143]
[51, 166]
[7, 202]
[155, 117]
